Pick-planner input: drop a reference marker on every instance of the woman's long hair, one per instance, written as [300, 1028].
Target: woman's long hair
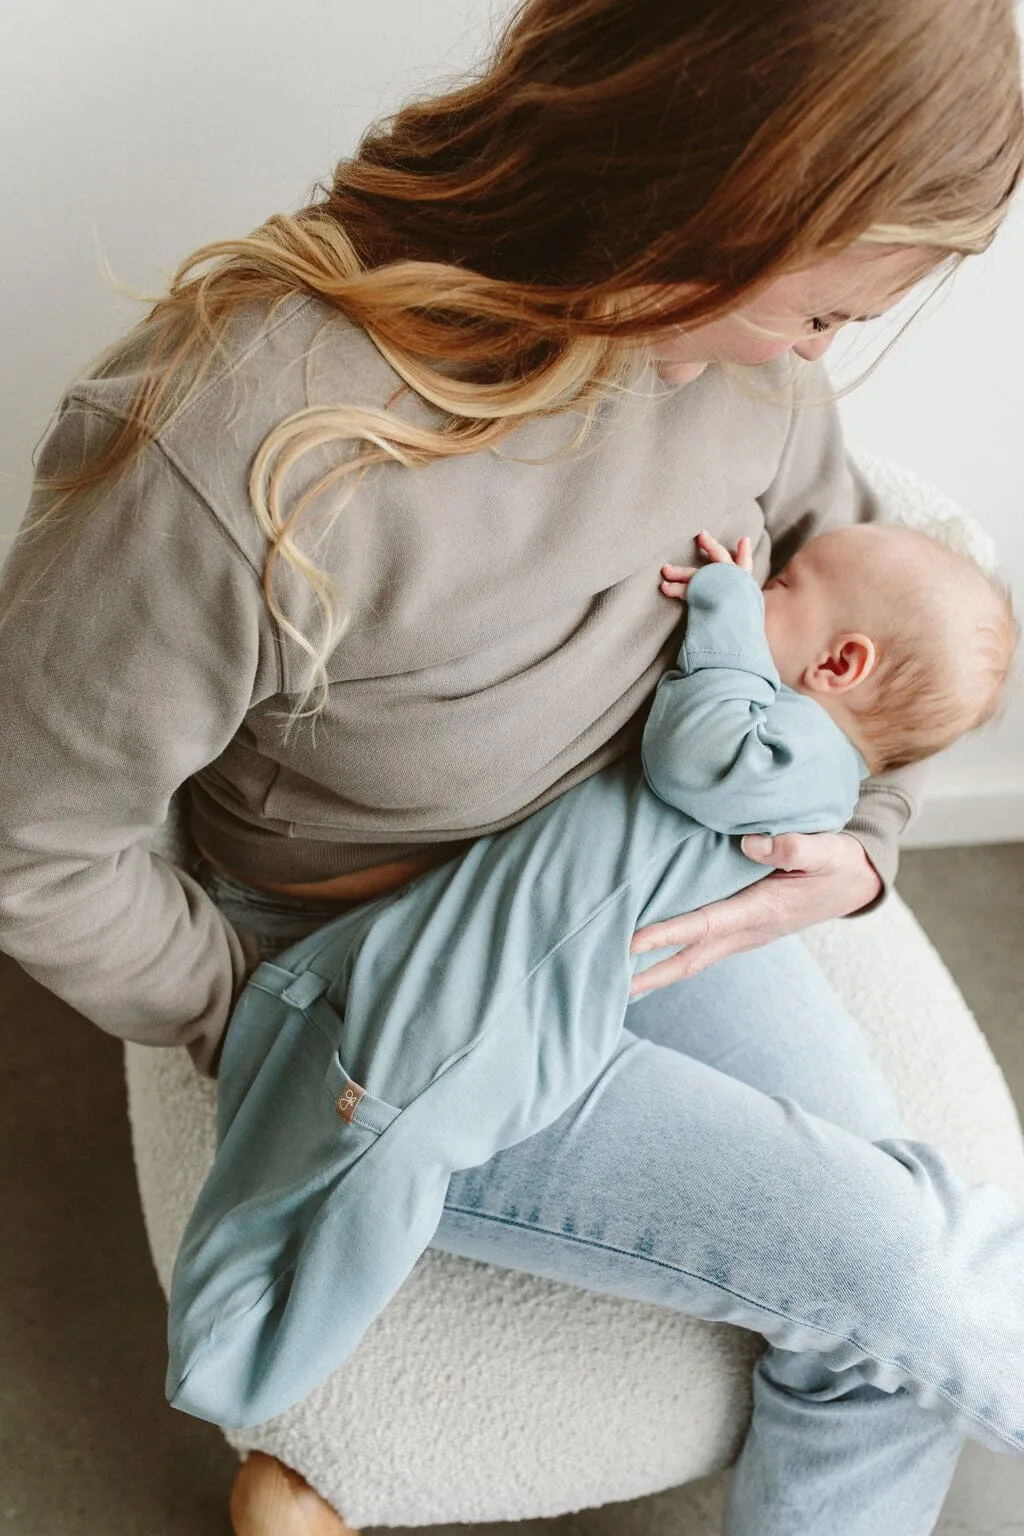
[621, 166]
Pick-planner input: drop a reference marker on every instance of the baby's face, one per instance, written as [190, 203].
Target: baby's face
[800, 610]
[828, 588]
[853, 603]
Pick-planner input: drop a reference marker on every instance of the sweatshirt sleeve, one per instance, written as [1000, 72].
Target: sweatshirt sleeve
[726, 743]
[131, 647]
[817, 488]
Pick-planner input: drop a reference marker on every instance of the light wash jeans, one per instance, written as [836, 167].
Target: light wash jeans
[703, 1171]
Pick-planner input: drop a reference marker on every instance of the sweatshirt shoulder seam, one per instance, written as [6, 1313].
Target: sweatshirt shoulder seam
[78, 390]
[214, 517]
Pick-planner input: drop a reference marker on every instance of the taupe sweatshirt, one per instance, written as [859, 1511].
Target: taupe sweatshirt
[506, 635]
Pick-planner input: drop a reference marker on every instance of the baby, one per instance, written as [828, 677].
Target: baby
[423, 1032]
[905, 642]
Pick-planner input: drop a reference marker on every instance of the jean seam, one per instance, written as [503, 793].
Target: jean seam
[630, 1253]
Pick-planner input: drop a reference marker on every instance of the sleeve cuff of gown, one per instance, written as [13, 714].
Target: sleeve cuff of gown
[878, 821]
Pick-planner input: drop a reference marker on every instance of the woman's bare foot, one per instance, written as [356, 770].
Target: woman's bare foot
[269, 1499]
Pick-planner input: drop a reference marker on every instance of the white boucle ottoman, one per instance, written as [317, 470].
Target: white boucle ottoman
[485, 1395]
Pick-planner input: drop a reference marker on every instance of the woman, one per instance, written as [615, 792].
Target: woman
[358, 534]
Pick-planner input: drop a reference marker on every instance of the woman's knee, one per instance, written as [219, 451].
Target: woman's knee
[771, 1019]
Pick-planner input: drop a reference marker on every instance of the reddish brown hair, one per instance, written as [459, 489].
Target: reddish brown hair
[620, 166]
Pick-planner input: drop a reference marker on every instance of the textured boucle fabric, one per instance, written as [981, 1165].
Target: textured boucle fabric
[485, 1395]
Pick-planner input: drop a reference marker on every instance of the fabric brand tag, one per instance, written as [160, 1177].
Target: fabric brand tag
[348, 1101]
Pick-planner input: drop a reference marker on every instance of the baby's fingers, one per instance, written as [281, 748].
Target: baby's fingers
[675, 579]
[711, 547]
[745, 555]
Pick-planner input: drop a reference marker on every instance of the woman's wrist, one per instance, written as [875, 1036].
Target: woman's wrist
[873, 883]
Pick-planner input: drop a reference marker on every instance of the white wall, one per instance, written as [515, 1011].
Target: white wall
[148, 130]
[948, 402]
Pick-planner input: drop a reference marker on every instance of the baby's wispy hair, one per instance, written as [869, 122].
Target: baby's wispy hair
[942, 666]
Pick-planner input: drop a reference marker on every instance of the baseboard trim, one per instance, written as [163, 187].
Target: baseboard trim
[953, 818]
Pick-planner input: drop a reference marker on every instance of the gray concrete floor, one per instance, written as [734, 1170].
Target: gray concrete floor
[87, 1445]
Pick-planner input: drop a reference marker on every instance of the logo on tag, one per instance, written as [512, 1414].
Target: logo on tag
[348, 1101]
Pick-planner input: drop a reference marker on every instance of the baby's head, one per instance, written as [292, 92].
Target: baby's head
[905, 642]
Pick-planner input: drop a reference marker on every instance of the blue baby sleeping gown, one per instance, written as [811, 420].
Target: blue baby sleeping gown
[423, 1032]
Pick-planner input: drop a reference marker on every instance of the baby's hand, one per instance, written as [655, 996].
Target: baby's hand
[676, 578]
[719, 555]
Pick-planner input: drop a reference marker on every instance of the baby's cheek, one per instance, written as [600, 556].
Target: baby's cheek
[762, 558]
[776, 628]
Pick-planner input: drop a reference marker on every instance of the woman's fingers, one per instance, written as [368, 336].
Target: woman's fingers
[702, 937]
[691, 928]
[682, 966]
[818, 876]
[708, 935]
[805, 853]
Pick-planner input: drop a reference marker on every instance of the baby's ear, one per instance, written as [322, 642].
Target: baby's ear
[850, 660]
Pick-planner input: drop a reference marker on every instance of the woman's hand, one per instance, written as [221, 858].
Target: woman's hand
[822, 875]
